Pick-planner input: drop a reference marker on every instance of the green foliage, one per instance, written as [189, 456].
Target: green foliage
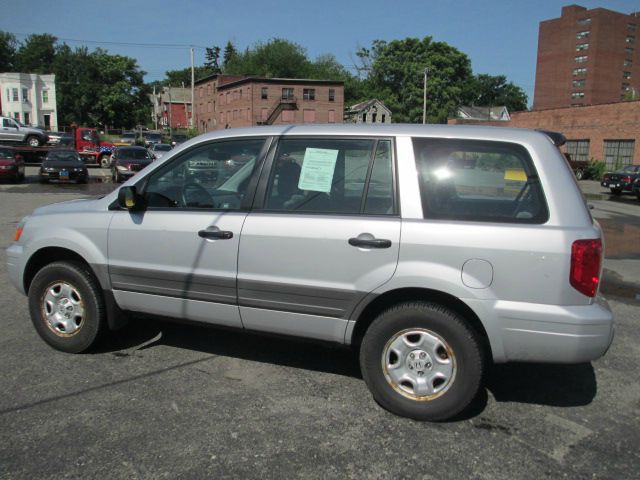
[595, 170]
[8, 47]
[36, 54]
[213, 59]
[397, 75]
[277, 58]
[488, 91]
[175, 78]
[229, 54]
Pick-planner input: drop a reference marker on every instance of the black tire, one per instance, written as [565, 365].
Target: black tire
[33, 141]
[616, 191]
[579, 174]
[460, 347]
[90, 325]
[105, 161]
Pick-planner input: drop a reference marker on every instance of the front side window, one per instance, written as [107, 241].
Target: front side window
[480, 181]
[212, 176]
[332, 176]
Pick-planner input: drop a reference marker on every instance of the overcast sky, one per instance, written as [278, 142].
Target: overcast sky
[500, 36]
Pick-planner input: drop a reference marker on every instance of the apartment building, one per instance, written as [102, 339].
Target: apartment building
[29, 98]
[225, 101]
[587, 57]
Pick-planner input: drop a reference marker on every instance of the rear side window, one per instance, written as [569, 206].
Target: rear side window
[479, 181]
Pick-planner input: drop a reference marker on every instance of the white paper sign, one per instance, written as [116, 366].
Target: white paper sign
[317, 171]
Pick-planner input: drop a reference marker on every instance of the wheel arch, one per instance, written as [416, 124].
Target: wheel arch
[368, 314]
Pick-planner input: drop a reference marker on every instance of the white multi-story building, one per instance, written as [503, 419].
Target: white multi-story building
[30, 98]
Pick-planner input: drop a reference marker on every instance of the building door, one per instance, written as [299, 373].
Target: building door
[47, 121]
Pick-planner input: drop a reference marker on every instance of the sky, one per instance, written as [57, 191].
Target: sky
[499, 36]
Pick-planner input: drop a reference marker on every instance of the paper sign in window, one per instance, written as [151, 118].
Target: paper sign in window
[317, 169]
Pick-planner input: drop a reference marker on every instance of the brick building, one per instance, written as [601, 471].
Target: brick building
[587, 57]
[225, 101]
[608, 132]
[172, 107]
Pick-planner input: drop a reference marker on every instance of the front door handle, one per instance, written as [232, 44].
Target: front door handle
[370, 243]
[216, 234]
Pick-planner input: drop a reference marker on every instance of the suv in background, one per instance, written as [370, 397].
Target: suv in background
[433, 250]
[13, 131]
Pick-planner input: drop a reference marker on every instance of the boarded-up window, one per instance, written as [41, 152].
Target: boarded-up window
[264, 114]
[287, 116]
[332, 116]
[309, 115]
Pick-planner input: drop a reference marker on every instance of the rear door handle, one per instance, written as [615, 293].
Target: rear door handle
[370, 243]
[216, 234]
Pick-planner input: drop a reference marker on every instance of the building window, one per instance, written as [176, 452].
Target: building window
[309, 94]
[618, 153]
[264, 93]
[332, 116]
[584, 21]
[626, 75]
[16, 116]
[27, 118]
[582, 59]
[583, 34]
[308, 115]
[630, 39]
[578, 149]
[45, 96]
[14, 94]
[579, 71]
[628, 63]
[288, 116]
[332, 94]
[264, 114]
[287, 94]
[628, 51]
[25, 95]
[240, 94]
[579, 83]
[631, 27]
[582, 46]
[8, 95]
[577, 95]
[364, 118]
[383, 119]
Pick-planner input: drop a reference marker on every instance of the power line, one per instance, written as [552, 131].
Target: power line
[123, 44]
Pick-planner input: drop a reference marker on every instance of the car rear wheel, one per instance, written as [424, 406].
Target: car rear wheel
[33, 141]
[579, 174]
[421, 360]
[66, 306]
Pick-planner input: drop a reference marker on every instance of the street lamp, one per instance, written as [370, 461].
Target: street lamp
[424, 104]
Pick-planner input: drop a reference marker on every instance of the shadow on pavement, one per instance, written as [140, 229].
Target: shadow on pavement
[542, 384]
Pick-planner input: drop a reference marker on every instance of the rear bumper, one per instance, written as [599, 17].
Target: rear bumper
[527, 332]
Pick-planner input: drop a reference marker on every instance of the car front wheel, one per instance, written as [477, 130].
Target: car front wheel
[66, 306]
[421, 360]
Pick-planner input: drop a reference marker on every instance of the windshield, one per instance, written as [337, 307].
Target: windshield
[66, 156]
[629, 169]
[162, 148]
[6, 153]
[133, 154]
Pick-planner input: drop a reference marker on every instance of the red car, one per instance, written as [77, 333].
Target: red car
[11, 164]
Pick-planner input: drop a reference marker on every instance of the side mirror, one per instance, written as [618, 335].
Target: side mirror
[129, 199]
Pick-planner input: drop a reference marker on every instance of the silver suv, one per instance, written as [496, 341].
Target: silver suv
[434, 250]
[15, 132]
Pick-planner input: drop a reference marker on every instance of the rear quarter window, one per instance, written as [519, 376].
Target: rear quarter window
[482, 181]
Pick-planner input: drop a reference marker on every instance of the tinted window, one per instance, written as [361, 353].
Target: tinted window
[133, 154]
[215, 175]
[330, 176]
[478, 181]
[6, 153]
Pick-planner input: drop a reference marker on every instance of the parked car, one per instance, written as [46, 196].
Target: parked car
[128, 138]
[396, 240]
[159, 149]
[13, 131]
[621, 180]
[151, 138]
[63, 165]
[127, 161]
[11, 164]
[54, 137]
[636, 187]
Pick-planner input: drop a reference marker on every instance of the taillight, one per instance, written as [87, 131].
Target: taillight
[626, 179]
[586, 258]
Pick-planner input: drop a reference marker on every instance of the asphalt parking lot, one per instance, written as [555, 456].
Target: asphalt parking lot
[161, 400]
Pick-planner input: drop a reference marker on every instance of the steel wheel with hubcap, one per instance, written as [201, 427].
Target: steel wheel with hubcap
[66, 306]
[33, 141]
[422, 360]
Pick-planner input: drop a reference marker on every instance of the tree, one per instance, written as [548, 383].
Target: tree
[36, 54]
[488, 90]
[229, 53]
[397, 74]
[176, 78]
[276, 58]
[8, 46]
[213, 58]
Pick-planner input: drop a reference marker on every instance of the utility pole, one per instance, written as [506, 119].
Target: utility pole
[170, 114]
[424, 104]
[193, 105]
